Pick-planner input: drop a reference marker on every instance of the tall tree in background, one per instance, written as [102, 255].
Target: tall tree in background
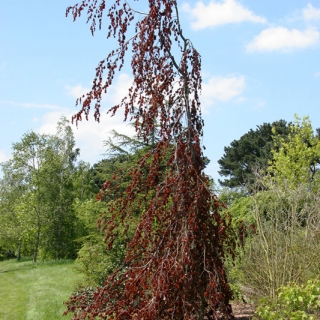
[249, 153]
[27, 159]
[12, 190]
[37, 195]
[174, 262]
[58, 171]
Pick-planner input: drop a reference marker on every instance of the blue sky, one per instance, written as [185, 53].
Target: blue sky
[260, 63]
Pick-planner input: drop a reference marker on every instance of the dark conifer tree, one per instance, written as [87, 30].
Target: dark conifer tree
[252, 151]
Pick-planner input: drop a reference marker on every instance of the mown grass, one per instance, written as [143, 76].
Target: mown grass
[36, 291]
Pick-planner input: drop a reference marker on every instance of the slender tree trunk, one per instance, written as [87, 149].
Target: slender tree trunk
[60, 218]
[36, 246]
[19, 250]
[58, 251]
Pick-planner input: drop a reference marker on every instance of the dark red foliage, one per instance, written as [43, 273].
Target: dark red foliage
[174, 262]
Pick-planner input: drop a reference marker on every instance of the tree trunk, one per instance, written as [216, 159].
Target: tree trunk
[36, 246]
[19, 250]
[58, 251]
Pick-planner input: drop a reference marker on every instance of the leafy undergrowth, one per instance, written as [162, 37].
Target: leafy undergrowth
[294, 302]
[36, 291]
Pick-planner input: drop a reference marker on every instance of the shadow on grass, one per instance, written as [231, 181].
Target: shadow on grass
[12, 265]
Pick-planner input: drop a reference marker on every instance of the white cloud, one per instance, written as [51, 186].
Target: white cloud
[115, 93]
[48, 122]
[221, 89]
[120, 89]
[89, 135]
[283, 39]
[77, 91]
[3, 156]
[311, 13]
[219, 13]
[32, 105]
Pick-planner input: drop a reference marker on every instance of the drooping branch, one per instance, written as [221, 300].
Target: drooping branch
[174, 261]
[152, 65]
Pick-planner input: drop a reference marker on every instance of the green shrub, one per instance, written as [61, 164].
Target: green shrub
[96, 263]
[6, 254]
[286, 245]
[293, 302]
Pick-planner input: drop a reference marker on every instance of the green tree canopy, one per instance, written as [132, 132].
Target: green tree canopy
[252, 151]
[37, 194]
[295, 159]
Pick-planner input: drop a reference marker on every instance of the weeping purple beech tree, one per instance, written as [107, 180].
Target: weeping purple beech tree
[174, 261]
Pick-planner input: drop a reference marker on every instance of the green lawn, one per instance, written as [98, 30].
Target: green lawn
[35, 291]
